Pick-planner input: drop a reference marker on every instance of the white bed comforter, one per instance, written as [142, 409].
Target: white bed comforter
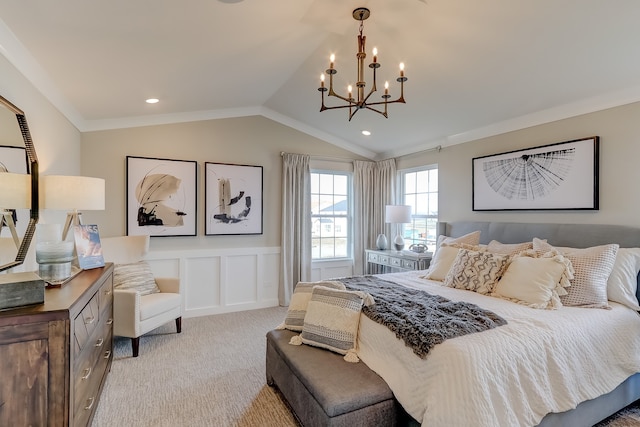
[542, 361]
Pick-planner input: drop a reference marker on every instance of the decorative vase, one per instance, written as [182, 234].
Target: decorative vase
[381, 242]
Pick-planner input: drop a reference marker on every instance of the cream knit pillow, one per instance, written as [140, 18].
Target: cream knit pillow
[592, 269]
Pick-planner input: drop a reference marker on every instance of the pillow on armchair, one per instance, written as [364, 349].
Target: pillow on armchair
[136, 276]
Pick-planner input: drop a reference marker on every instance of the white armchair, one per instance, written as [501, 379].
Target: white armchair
[133, 314]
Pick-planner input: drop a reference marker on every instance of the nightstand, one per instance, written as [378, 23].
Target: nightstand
[398, 260]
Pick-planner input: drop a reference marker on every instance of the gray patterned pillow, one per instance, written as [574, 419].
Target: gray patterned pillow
[476, 271]
[136, 276]
[332, 319]
[299, 301]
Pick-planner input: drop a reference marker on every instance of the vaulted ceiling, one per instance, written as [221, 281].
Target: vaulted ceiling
[474, 67]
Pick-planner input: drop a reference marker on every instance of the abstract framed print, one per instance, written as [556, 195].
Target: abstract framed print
[161, 197]
[233, 199]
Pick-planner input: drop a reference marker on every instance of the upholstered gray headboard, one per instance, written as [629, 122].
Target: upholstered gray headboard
[573, 235]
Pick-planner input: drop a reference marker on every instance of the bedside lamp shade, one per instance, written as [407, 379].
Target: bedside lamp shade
[72, 193]
[398, 214]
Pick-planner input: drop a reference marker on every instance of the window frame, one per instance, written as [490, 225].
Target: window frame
[403, 200]
[348, 216]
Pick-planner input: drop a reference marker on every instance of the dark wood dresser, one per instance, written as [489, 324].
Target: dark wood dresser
[54, 357]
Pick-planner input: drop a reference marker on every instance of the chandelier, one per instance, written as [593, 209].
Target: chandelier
[362, 101]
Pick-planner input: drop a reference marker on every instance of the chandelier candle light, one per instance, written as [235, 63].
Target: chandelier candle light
[360, 14]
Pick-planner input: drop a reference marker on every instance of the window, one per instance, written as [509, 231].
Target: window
[419, 188]
[330, 215]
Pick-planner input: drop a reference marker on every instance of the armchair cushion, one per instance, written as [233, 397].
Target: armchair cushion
[136, 276]
[153, 305]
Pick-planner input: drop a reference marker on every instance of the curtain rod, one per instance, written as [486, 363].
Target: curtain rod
[327, 158]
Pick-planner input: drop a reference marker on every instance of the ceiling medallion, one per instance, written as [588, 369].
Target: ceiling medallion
[362, 101]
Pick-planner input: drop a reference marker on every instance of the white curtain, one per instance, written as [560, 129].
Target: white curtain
[373, 187]
[296, 224]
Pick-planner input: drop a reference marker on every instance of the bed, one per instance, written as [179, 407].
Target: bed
[572, 366]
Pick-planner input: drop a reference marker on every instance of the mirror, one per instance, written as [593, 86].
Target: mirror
[14, 132]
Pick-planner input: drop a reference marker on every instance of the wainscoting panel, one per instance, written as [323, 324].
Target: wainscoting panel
[220, 281]
[323, 270]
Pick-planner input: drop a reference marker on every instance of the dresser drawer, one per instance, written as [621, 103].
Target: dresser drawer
[86, 369]
[383, 259]
[105, 296]
[85, 323]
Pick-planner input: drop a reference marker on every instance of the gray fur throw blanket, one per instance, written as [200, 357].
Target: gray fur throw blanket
[420, 319]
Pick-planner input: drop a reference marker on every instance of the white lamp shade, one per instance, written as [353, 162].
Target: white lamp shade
[398, 214]
[15, 190]
[59, 192]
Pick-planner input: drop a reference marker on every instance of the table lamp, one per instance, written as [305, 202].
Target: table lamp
[398, 214]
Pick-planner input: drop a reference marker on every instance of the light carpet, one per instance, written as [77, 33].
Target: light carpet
[212, 374]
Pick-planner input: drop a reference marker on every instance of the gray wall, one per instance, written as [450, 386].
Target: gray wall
[249, 140]
[619, 132]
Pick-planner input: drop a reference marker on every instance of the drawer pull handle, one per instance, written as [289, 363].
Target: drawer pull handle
[109, 322]
[107, 292]
[107, 354]
[99, 342]
[89, 320]
[90, 402]
[87, 373]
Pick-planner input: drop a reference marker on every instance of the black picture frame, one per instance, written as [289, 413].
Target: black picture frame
[233, 199]
[161, 197]
[559, 176]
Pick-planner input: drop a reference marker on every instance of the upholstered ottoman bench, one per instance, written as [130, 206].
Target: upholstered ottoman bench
[324, 390]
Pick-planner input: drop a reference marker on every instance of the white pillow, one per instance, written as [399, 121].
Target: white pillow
[472, 238]
[535, 282]
[622, 283]
[592, 269]
[441, 263]
[508, 248]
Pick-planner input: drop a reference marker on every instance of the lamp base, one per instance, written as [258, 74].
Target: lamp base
[398, 243]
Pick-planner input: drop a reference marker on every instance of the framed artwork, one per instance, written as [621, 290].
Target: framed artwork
[161, 197]
[233, 199]
[549, 177]
[14, 160]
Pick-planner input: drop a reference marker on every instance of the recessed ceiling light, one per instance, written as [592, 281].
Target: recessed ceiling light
[152, 101]
[366, 133]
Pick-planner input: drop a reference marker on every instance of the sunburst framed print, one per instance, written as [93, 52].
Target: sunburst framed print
[557, 176]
